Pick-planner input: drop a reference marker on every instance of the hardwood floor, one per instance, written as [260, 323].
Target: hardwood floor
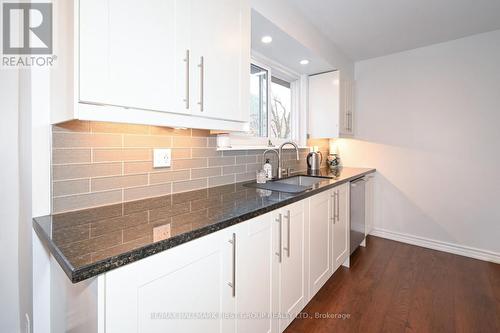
[396, 287]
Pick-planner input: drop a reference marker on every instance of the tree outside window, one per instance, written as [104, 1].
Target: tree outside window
[281, 102]
[270, 109]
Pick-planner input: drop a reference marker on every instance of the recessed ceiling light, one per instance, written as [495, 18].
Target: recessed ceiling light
[267, 39]
[304, 62]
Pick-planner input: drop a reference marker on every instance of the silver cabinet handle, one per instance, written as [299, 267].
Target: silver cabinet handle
[287, 248]
[335, 206]
[279, 253]
[332, 196]
[186, 60]
[338, 206]
[232, 284]
[202, 78]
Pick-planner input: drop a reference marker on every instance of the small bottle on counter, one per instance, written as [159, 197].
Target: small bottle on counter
[268, 168]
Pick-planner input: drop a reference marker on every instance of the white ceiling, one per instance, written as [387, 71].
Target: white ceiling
[366, 29]
[284, 49]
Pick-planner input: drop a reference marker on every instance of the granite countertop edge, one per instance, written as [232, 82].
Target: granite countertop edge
[108, 264]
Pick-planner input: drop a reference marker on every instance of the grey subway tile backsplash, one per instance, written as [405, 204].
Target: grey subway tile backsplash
[68, 156]
[97, 163]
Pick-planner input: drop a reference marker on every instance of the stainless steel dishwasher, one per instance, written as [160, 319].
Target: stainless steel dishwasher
[357, 213]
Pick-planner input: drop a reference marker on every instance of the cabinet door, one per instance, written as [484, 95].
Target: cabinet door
[132, 53]
[220, 39]
[346, 107]
[320, 240]
[341, 226]
[254, 275]
[324, 105]
[166, 292]
[292, 266]
[93, 43]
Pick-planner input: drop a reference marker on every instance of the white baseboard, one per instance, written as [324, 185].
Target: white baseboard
[461, 250]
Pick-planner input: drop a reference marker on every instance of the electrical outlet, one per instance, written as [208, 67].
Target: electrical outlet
[162, 158]
[162, 232]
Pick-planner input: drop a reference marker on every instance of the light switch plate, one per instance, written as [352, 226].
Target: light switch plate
[162, 158]
[161, 232]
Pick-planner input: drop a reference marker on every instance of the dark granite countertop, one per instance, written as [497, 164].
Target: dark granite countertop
[89, 242]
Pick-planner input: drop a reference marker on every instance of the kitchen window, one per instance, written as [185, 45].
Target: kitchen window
[277, 111]
[272, 111]
[258, 101]
[270, 104]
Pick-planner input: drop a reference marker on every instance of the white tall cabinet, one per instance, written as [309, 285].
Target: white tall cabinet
[178, 63]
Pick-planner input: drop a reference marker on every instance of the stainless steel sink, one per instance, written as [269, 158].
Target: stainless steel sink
[301, 180]
[295, 184]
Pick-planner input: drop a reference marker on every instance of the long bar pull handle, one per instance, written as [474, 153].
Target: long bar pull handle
[232, 284]
[287, 248]
[346, 104]
[186, 60]
[202, 78]
[338, 206]
[280, 228]
[334, 206]
[334, 203]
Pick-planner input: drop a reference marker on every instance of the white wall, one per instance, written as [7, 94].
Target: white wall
[41, 188]
[15, 197]
[429, 120]
[9, 198]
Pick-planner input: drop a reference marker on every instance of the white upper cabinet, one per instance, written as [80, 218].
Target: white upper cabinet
[132, 53]
[331, 107]
[158, 62]
[346, 119]
[324, 107]
[220, 43]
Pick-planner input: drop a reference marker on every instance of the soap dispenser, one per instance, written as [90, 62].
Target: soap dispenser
[268, 168]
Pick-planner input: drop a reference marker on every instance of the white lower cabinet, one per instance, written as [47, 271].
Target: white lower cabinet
[175, 290]
[328, 235]
[320, 240]
[253, 277]
[289, 281]
[341, 226]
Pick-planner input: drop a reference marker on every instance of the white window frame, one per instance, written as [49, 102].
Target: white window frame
[299, 101]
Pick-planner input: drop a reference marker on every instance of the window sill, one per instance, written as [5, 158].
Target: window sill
[236, 148]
